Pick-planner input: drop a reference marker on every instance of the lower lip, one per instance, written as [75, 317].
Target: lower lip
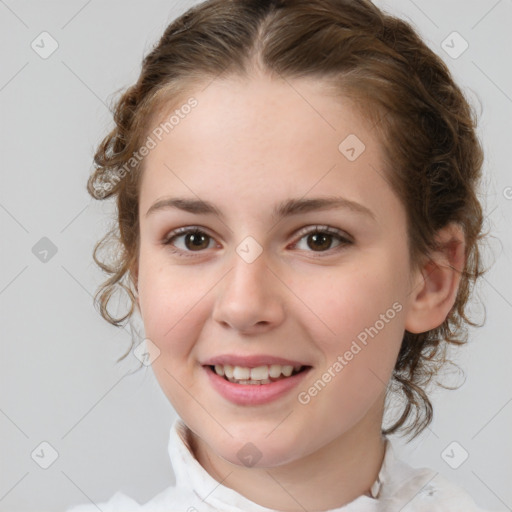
[253, 394]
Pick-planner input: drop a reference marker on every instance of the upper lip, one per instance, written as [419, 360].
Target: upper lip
[250, 361]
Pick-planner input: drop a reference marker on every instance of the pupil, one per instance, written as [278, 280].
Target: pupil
[323, 238]
[197, 239]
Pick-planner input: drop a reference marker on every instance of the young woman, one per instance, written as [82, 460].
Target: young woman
[296, 184]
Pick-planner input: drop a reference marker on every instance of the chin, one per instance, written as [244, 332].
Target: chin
[259, 452]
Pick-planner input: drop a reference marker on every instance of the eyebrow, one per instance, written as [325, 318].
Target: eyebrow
[283, 209]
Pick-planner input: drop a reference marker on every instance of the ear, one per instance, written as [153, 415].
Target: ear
[435, 285]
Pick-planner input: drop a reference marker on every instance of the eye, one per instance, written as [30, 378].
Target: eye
[194, 240]
[319, 239]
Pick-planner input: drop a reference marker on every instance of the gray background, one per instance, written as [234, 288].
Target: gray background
[59, 379]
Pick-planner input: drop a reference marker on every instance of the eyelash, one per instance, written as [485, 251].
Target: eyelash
[343, 240]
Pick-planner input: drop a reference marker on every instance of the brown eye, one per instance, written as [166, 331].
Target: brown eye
[319, 241]
[187, 240]
[196, 240]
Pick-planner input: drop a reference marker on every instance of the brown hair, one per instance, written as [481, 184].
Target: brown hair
[425, 124]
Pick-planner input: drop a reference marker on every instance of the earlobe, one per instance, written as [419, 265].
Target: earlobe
[437, 282]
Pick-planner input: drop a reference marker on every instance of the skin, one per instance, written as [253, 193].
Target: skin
[249, 145]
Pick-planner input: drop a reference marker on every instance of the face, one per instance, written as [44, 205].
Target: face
[273, 279]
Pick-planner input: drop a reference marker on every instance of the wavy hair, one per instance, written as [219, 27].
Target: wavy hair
[426, 127]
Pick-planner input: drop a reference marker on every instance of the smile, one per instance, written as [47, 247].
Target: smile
[242, 385]
[255, 376]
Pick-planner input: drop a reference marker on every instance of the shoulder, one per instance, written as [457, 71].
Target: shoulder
[117, 502]
[442, 495]
[415, 489]
[172, 499]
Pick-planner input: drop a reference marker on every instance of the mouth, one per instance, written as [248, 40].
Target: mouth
[254, 379]
[256, 376]
[255, 385]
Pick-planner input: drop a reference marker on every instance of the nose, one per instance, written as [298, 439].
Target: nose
[250, 297]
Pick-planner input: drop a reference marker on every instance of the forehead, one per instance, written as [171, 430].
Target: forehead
[260, 136]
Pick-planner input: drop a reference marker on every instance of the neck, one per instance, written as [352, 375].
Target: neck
[331, 477]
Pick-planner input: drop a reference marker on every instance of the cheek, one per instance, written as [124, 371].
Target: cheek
[344, 301]
[170, 299]
[362, 307]
[173, 301]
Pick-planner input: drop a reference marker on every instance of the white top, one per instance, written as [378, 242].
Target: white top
[399, 487]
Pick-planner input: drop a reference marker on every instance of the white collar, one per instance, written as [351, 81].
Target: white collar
[394, 474]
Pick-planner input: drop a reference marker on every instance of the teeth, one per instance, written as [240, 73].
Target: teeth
[287, 370]
[257, 375]
[254, 382]
[241, 373]
[275, 371]
[228, 371]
